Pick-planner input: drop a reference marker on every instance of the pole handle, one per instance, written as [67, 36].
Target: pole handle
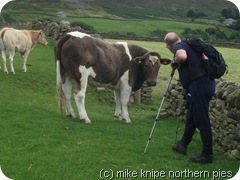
[173, 70]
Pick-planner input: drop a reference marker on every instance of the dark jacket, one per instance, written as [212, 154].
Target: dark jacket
[190, 69]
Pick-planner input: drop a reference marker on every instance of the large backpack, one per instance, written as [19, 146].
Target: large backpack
[213, 61]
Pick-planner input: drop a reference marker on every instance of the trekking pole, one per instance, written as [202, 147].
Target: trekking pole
[176, 133]
[159, 110]
[178, 119]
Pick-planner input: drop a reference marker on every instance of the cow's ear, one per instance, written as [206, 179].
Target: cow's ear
[165, 61]
[40, 33]
[139, 60]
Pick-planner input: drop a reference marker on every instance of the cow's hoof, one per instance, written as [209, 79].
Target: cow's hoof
[88, 122]
[128, 121]
[71, 116]
[85, 120]
[12, 72]
[118, 118]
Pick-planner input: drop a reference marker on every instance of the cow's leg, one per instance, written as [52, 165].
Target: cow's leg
[11, 56]
[67, 90]
[125, 91]
[24, 60]
[118, 111]
[4, 61]
[79, 95]
[125, 95]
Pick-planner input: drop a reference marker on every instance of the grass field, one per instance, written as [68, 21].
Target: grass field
[38, 143]
[139, 27]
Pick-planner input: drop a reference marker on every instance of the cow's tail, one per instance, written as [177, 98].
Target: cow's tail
[2, 33]
[59, 87]
[59, 67]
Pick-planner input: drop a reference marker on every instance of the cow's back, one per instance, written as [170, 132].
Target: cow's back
[109, 61]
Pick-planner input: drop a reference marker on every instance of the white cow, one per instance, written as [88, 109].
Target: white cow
[22, 41]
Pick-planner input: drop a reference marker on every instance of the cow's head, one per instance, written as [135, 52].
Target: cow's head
[150, 63]
[42, 38]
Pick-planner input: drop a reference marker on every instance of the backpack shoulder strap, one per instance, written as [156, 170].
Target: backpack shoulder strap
[198, 46]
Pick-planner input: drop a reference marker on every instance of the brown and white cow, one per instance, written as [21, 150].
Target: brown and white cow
[79, 56]
[22, 41]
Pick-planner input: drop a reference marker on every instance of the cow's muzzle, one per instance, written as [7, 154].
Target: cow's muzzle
[151, 83]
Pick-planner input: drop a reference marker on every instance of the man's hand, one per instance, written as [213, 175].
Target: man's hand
[174, 65]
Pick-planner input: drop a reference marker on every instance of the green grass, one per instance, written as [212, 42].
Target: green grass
[38, 143]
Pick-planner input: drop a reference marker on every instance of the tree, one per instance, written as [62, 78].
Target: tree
[211, 31]
[235, 36]
[220, 35]
[230, 13]
[191, 14]
[236, 25]
[7, 18]
[158, 33]
[194, 14]
[197, 33]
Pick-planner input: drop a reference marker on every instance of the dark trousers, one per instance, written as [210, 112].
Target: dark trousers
[198, 95]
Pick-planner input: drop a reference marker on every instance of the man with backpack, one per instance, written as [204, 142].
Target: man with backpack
[199, 90]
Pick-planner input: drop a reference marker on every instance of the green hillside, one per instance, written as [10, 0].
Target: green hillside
[164, 8]
[130, 9]
[152, 18]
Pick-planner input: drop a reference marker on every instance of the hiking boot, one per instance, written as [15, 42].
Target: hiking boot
[202, 159]
[179, 148]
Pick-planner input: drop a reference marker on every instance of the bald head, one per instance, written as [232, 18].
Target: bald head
[171, 38]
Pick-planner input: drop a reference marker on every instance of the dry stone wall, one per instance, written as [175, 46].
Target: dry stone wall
[55, 30]
[224, 114]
